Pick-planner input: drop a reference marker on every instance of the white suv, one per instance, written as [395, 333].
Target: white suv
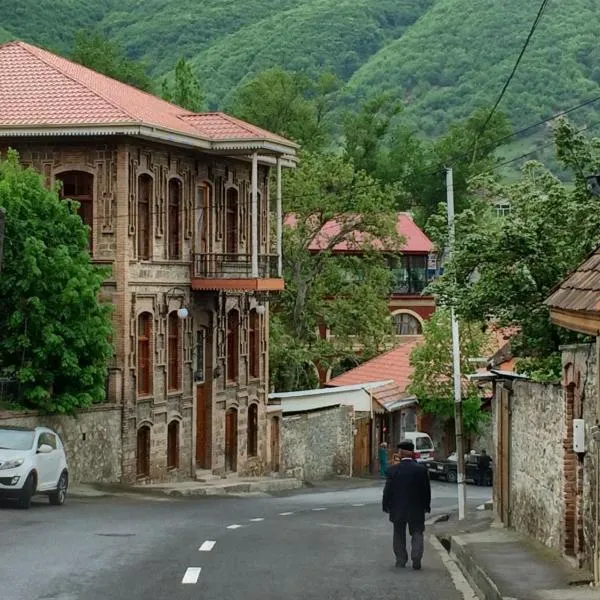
[32, 461]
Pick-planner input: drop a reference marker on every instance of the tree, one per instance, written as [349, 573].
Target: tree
[347, 294]
[289, 104]
[185, 91]
[55, 332]
[432, 379]
[96, 52]
[504, 268]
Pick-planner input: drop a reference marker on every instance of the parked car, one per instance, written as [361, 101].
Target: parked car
[32, 461]
[447, 469]
[424, 448]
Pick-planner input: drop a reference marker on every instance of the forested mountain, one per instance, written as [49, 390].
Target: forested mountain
[442, 58]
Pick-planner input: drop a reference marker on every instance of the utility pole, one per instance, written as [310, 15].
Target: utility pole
[458, 416]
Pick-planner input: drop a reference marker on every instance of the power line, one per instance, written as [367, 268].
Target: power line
[514, 70]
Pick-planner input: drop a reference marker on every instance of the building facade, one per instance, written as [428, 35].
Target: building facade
[179, 211]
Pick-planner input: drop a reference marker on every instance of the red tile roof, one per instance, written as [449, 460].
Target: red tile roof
[394, 365]
[41, 89]
[415, 241]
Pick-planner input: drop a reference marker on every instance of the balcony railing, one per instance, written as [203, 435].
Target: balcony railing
[234, 266]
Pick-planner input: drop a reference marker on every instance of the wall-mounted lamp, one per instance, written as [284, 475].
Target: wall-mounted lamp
[261, 309]
[182, 311]
[261, 300]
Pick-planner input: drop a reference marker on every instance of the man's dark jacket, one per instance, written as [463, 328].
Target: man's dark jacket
[407, 492]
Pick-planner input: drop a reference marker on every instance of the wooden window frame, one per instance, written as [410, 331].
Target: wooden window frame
[173, 352]
[233, 346]
[144, 339]
[254, 345]
[173, 444]
[144, 216]
[232, 215]
[84, 195]
[252, 430]
[174, 205]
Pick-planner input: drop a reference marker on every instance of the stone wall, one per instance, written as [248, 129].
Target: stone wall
[536, 461]
[319, 444]
[92, 440]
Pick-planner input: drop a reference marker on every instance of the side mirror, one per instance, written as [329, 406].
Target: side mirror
[45, 449]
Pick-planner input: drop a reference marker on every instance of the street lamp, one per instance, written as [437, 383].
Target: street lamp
[182, 311]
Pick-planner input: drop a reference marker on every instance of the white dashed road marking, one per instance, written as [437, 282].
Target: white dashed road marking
[358, 504]
[207, 546]
[257, 520]
[315, 509]
[285, 514]
[191, 575]
[233, 526]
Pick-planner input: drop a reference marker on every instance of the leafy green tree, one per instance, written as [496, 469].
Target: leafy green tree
[289, 104]
[432, 379]
[504, 268]
[55, 332]
[93, 50]
[185, 90]
[347, 294]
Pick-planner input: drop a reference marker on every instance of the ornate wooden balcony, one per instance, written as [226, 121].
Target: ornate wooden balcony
[217, 271]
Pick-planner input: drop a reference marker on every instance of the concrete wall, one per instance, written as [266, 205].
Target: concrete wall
[318, 445]
[92, 440]
[536, 467]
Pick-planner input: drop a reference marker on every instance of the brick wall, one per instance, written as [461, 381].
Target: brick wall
[318, 443]
[92, 440]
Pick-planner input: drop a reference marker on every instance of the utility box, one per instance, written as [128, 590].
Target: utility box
[578, 435]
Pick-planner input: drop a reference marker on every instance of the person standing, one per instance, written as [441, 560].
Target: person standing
[406, 499]
[383, 459]
[483, 467]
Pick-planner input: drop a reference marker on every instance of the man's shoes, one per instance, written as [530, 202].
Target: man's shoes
[416, 565]
[400, 564]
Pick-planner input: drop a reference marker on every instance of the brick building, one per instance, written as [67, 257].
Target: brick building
[178, 205]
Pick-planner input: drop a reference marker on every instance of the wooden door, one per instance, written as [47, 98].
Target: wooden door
[275, 444]
[361, 454]
[202, 424]
[231, 435]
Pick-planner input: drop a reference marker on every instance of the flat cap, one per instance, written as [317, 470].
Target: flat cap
[406, 445]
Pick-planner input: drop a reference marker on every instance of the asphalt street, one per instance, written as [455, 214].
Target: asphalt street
[324, 544]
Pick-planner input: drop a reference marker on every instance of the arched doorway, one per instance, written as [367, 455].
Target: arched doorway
[231, 439]
[143, 451]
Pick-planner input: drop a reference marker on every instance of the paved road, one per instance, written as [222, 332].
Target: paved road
[326, 545]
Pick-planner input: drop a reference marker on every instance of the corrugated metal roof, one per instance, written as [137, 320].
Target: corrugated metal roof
[580, 291]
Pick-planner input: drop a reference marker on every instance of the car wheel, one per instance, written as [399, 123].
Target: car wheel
[27, 492]
[58, 496]
[451, 477]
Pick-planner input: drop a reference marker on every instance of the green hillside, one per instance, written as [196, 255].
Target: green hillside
[443, 58]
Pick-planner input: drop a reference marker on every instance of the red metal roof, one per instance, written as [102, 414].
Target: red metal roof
[38, 88]
[394, 365]
[415, 241]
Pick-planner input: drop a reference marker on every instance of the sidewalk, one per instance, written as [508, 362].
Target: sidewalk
[505, 565]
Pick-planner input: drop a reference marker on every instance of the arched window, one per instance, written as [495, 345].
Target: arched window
[202, 218]
[144, 354]
[174, 218]
[407, 324]
[173, 445]
[174, 352]
[233, 344]
[231, 222]
[254, 345]
[79, 186]
[253, 430]
[143, 451]
[144, 212]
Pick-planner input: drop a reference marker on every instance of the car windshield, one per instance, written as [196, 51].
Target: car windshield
[423, 443]
[15, 439]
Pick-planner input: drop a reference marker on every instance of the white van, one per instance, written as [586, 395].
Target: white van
[424, 448]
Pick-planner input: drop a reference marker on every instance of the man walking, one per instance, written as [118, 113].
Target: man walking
[406, 498]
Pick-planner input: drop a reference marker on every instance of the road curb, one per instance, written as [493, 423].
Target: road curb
[476, 575]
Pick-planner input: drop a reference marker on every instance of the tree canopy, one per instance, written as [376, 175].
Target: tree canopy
[185, 90]
[55, 331]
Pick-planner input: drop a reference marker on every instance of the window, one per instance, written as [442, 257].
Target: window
[199, 374]
[143, 451]
[144, 221]
[144, 354]
[233, 344]
[48, 439]
[173, 445]
[202, 226]
[254, 345]
[502, 209]
[253, 430]
[407, 324]
[231, 223]
[410, 274]
[174, 217]
[79, 186]
[174, 337]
